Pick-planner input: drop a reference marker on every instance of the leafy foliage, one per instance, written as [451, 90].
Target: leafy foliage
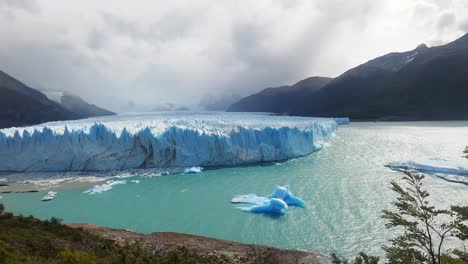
[424, 231]
[361, 258]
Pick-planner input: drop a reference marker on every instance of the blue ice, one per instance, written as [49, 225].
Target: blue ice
[269, 204]
[273, 206]
[283, 193]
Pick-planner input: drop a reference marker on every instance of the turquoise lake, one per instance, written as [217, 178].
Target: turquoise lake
[345, 187]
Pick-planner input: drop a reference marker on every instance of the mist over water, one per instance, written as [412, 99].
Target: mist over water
[345, 187]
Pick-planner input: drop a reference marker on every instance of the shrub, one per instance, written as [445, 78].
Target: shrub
[75, 257]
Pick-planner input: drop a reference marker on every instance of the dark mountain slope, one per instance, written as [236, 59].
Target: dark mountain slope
[79, 106]
[279, 99]
[21, 105]
[19, 109]
[422, 84]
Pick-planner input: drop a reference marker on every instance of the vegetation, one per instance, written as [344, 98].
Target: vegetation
[361, 258]
[425, 228]
[29, 240]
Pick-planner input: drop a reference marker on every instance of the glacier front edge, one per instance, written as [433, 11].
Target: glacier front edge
[130, 142]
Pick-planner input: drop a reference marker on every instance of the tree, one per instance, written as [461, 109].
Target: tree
[424, 231]
[361, 258]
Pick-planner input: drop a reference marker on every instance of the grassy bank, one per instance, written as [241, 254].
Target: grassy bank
[29, 240]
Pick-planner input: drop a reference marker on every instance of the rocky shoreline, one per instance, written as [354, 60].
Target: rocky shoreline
[224, 251]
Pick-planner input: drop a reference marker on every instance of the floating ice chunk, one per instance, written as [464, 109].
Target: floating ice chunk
[250, 199]
[50, 196]
[283, 193]
[454, 171]
[104, 187]
[272, 206]
[280, 192]
[270, 203]
[432, 166]
[193, 170]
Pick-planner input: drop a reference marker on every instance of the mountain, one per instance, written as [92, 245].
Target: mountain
[22, 105]
[280, 99]
[421, 84]
[76, 104]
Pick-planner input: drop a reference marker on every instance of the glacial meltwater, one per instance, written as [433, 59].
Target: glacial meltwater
[345, 187]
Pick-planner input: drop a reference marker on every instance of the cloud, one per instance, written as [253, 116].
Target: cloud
[184, 52]
[446, 20]
[27, 5]
[464, 25]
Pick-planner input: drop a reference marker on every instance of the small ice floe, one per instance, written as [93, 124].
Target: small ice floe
[50, 196]
[269, 204]
[135, 181]
[447, 169]
[104, 187]
[193, 170]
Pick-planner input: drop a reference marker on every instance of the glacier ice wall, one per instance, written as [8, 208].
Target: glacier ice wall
[148, 141]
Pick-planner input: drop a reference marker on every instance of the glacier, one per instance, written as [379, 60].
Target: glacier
[141, 141]
[342, 120]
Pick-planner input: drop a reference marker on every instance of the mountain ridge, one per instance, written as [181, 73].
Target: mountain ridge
[21, 105]
[426, 83]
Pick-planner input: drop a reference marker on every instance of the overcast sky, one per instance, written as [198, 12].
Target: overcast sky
[148, 52]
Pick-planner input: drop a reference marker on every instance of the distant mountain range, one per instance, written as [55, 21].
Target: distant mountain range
[22, 105]
[421, 84]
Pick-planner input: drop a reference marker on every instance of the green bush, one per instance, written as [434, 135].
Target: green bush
[75, 257]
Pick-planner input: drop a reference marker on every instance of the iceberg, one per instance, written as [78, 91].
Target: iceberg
[456, 171]
[193, 170]
[50, 196]
[160, 141]
[280, 192]
[269, 204]
[272, 206]
[104, 187]
[432, 166]
[283, 193]
[250, 199]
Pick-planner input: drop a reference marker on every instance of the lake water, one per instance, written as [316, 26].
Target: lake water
[345, 187]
